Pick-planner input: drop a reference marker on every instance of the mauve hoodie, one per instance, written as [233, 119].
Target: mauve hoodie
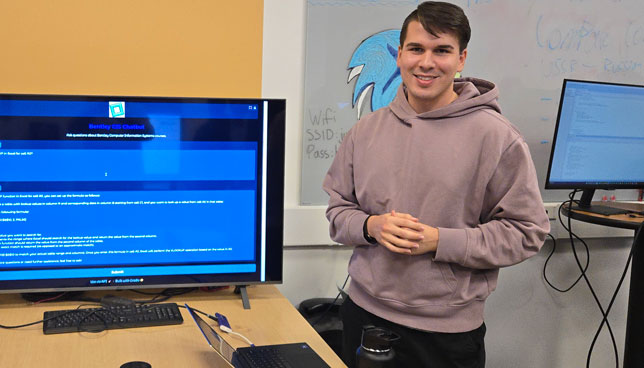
[464, 169]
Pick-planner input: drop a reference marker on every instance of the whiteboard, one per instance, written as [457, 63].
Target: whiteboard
[526, 47]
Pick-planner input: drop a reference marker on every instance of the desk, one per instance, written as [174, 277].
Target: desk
[271, 320]
[633, 352]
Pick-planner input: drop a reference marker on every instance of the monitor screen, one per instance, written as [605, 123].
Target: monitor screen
[139, 192]
[599, 137]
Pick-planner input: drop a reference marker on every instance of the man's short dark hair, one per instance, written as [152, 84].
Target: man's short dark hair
[440, 17]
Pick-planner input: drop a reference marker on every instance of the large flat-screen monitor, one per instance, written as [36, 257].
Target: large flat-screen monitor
[599, 139]
[120, 192]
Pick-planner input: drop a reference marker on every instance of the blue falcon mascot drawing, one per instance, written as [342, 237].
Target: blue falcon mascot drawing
[374, 63]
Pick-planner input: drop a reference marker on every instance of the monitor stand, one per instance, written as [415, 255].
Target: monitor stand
[585, 205]
[241, 289]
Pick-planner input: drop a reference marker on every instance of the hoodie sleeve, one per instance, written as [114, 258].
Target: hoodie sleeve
[514, 223]
[344, 213]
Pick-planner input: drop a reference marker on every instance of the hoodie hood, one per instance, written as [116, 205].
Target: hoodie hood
[473, 94]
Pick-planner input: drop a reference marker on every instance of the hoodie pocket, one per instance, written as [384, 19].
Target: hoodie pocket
[412, 281]
[472, 284]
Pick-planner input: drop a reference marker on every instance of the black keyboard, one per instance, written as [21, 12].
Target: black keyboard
[265, 356]
[111, 317]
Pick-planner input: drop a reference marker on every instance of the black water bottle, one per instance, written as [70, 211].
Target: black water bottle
[375, 351]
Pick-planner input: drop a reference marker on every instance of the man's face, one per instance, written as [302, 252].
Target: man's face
[427, 66]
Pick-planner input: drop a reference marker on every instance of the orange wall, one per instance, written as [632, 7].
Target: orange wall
[208, 48]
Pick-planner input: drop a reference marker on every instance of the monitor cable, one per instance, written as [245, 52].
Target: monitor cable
[11, 327]
[46, 297]
[545, 266]
[573, 236]
[552, 252]
[222, 322]
[164, 295]
[328, 309]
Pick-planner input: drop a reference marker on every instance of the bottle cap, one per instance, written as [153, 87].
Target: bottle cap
[377, 339]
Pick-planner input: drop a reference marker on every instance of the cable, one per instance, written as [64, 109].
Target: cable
[610, 305]
[164, 295]
[230, 331]
[572, 235]
[45, 297]
[158, 298]
[330, 305]
[89, 314]
[24, 325]
[545, 265]
[50, 299]
[39, 321]
[222, 327]
[198, 311]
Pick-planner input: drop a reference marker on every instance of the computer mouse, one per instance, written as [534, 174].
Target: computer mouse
[136, 364]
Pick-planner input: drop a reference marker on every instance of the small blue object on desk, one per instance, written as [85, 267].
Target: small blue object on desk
[222, 320]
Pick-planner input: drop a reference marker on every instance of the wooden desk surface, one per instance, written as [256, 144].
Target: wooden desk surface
[271, 320]
[624, 221]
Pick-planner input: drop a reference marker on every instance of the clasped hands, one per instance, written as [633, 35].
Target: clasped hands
[402, 233]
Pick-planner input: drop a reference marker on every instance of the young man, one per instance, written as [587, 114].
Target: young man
[436, 192]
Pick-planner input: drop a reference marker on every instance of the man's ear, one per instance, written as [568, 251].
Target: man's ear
[461, 60]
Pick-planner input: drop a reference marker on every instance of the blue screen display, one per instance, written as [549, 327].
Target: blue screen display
[112, 191]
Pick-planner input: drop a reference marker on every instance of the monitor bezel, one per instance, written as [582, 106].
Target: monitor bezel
[583, 185]
[274, 199]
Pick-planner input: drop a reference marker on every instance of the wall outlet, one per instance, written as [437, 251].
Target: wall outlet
[552, 210]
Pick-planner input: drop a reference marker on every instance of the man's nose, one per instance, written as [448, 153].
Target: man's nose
[427, 61]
